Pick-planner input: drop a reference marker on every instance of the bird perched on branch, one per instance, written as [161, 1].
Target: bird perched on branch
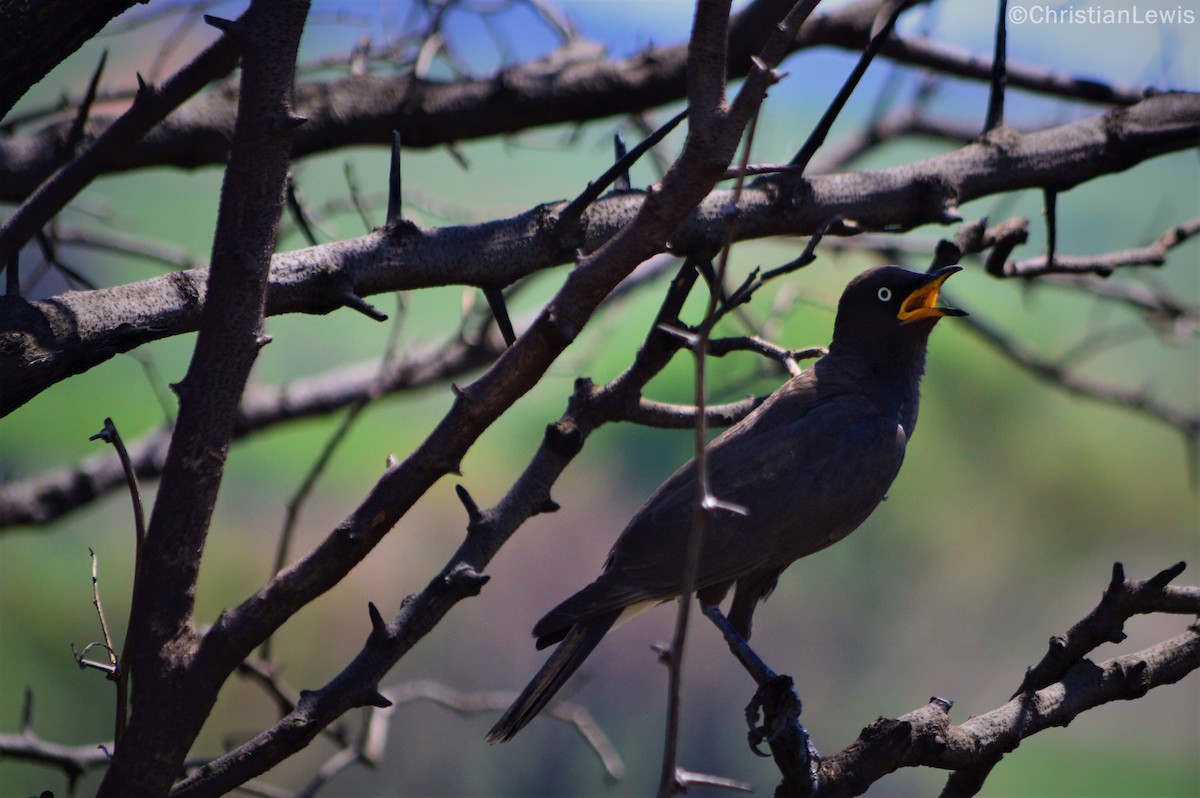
[807, 466]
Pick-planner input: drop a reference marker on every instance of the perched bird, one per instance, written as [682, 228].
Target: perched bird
[808, 465]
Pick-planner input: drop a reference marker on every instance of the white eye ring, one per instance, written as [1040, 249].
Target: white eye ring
[885, 294]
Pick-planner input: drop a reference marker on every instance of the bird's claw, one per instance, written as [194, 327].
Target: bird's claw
[757, 735]
[778, 705]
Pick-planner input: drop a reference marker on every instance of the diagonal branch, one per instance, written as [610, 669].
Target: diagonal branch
[55, 338]
[925, 737]
[150, 106]
[366, 108]
[161, 639]
[714, 133]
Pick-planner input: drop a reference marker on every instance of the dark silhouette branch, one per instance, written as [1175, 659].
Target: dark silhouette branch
[150, 106]
[1053, 695]
[713, 135]
[1104, 264]
[161, 650]
[27, 746]
[98, 324]
[39, 36]
[366, 108]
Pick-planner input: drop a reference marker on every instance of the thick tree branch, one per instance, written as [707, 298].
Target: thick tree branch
[37, 36]
[366, 108]
[172, 694]
[51, 339]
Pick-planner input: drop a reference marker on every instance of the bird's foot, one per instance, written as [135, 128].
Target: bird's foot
[777, 702]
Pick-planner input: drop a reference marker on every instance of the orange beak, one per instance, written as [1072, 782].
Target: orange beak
[920, 304]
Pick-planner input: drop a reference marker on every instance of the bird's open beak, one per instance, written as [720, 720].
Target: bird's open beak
[920, 303]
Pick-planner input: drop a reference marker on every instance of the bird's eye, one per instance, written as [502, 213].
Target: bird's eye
[885, 294]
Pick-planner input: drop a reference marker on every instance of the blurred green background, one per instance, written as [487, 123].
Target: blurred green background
[1001, 530]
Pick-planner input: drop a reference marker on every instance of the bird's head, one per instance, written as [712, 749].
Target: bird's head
[889, 308]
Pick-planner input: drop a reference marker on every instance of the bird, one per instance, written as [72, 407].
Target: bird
[797, 474]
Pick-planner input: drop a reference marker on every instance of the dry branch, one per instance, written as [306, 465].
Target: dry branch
[366, 108]
[52, 339]
[1073, 685]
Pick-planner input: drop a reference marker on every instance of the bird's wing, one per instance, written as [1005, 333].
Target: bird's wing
[807, 471]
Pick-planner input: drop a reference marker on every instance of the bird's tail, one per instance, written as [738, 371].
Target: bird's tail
[566, 659]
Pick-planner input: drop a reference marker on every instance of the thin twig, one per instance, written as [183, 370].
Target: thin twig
[111, 436]
[574, 210]
[150, 106]
[296, 503]
[670, 780]
[893, 9]
[1058, 375]
[995, 108]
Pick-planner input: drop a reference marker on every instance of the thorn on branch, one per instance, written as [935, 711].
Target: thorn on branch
[688, 778]
[712, 504]
[75, 136]
[1167, 575]
[1118, 578]
[458, 156]
[465, 580]
[299, 214]
[474, 516]
[395, 211]
[27, 710]
[663, 652]
[495, 299]
[353, 301]
[881, 30]
[229, 27]
[763, 68]
[575, 208]
[378, 700]
[108, 434]
[378, 625]
[689, 338]
[622, 182]
[1051, 226]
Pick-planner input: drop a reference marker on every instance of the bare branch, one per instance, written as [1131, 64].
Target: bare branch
[161, 639]
[1154, 254]
[366, 108]
[111, 320]
[1062, 377]
[27, 746]
[926, 738]
[150, 106]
